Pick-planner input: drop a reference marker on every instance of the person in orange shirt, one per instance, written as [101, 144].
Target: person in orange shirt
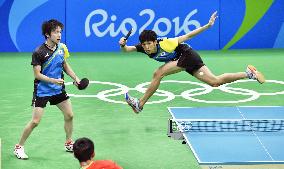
[84, 151]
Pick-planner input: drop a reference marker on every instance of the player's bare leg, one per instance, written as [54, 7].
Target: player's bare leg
[36, 117]
[205, 75]
[66, 109]
[164, 70]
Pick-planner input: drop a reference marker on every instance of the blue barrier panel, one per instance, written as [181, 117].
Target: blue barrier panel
[21, 22]
[251, 24]
[97, 26]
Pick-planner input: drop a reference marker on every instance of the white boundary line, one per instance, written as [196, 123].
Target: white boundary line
[263, 146]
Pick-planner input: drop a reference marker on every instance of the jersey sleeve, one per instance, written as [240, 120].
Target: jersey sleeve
[36, 59]
[169, 45]
[66, 52]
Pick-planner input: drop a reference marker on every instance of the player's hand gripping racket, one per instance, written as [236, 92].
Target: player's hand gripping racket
[127, 36]
[83, 84]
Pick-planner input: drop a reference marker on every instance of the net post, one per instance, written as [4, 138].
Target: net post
[175, 134]
[170, 128]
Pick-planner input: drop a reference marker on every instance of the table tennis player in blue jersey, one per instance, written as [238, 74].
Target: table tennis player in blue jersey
[49, 61]
[179, 56]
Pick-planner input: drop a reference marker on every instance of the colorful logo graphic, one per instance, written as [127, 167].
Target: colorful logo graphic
[241, 24]
[253, 13]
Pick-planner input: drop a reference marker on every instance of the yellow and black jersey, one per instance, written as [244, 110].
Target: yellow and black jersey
[167, 50]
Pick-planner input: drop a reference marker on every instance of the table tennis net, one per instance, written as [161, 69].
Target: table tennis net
[227, 125]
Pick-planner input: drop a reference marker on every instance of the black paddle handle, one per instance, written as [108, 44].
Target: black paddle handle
[127, 36]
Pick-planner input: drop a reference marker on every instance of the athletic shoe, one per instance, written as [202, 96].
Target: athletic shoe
[19, 152]
[252, 73]
[69, 146]
[133, 103]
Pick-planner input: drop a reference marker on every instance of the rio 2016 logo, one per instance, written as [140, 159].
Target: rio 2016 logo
[104, 22]
[178, 25]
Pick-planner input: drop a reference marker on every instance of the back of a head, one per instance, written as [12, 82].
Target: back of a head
[83, 149]
[49, 26]
[147, 35]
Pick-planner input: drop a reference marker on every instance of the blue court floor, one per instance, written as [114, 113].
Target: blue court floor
[234, 148]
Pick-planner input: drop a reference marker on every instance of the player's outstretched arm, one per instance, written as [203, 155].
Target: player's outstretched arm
[69, 71]
[124, 47]
[198, 30]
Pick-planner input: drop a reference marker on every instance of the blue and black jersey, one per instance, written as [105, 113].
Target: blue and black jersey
[167, 50]
[51, 63]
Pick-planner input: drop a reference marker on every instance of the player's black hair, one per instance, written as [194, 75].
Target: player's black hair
[147, 35]
[83, 149]
[49, 26]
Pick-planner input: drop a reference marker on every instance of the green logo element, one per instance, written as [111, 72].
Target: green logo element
[255, 9]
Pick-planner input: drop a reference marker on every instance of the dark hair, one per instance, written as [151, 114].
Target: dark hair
[83, 149]
[147, 35]
[49, 26]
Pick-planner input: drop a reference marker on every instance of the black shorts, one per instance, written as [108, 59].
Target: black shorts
[189, 59]
[53, 100]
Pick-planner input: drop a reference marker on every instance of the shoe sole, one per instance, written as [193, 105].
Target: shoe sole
[21, 158]
[259, 76]
[133, 109]
[125, 96]
[67, 149]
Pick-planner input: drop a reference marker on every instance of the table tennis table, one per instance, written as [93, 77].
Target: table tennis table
[231, 149]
